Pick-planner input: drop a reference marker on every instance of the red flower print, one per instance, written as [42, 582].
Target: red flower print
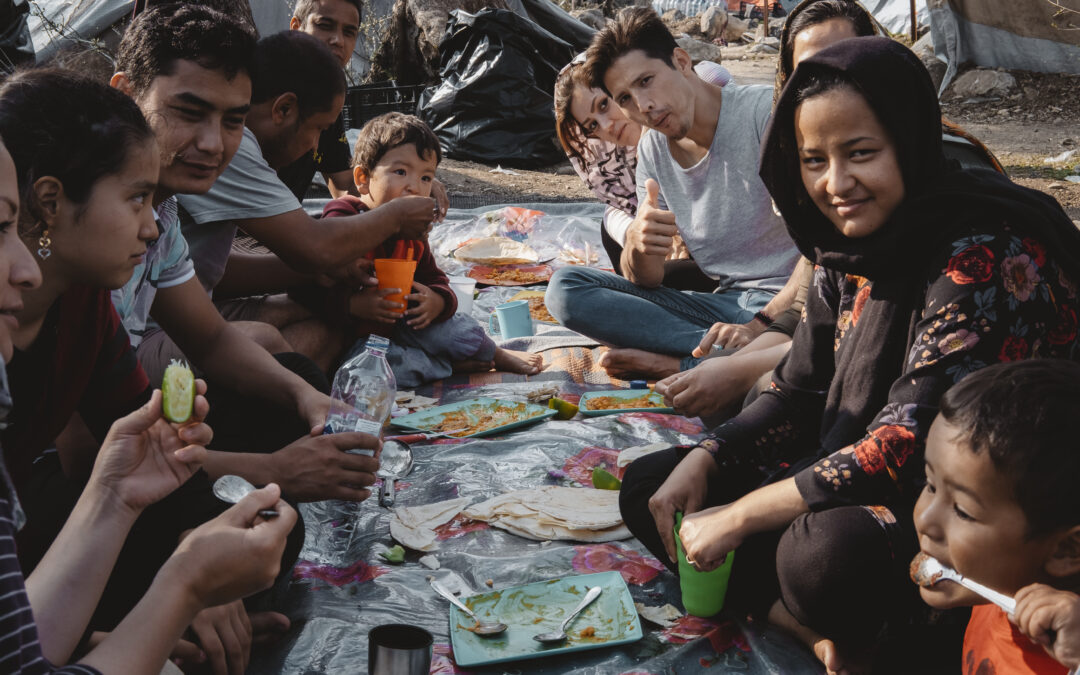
[973, 265]
[860, 302]
[1035, 250]
[1065, 330]
[1014, 349]
[634, 567]
[895, 440]
[869, 457]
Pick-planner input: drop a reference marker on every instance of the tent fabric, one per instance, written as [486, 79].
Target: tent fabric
[1015, 34]
[55, 24]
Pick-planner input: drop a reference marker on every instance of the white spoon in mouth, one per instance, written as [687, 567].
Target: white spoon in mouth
[927, 571]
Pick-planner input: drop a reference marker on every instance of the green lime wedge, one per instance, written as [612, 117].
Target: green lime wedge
[565, 409]
[178, 392]
[394, 555]
[603, 480]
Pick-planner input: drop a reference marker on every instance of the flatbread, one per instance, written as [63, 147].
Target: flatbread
[665, 616]
[497, 251]
[555, 513]
[630, 454]
[414, 526]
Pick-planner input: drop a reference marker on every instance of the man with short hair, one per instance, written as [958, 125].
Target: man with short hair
[336, 23]
[298, 91]
[188, 68]
[697, 177]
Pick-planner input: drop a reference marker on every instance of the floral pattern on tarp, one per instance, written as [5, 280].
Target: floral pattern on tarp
[458, 526]
[635, 568]
[358, 573]
[722, 636]
[580, 467]
[442, 661]
[674, 422]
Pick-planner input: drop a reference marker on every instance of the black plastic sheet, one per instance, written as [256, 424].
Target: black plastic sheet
[494, 101]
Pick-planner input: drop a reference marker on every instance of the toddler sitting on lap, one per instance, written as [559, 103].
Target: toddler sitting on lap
[397, 155]
[1001, 507]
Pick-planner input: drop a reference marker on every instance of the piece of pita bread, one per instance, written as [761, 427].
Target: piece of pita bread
[414, 526]
[497, 251]
[665, 616]
[555, 513]
[630, 454]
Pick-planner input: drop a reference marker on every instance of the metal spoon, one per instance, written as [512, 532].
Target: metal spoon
[396, 463]
[482, 628]
[232, 489]
[927, 571]
[559, 636]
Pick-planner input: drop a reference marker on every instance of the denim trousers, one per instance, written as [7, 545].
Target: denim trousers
[619, 313]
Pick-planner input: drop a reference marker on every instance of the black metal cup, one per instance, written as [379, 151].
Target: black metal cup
[399, 649]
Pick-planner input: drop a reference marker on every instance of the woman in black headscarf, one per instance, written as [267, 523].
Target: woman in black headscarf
[923, 274]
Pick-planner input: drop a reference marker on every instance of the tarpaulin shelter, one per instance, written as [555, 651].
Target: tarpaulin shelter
[1035, 35]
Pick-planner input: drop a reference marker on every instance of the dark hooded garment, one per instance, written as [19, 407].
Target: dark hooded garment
[970, 270]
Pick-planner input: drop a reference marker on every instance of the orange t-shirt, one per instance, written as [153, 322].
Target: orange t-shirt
[993, 646]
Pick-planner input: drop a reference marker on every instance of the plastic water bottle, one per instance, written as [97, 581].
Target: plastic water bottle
[363, 393]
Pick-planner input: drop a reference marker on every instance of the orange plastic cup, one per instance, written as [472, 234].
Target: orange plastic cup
[395, 273]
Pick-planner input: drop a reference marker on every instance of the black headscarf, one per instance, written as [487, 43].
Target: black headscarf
[939, 199]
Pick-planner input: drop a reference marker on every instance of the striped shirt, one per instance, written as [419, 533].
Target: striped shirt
[20, 651]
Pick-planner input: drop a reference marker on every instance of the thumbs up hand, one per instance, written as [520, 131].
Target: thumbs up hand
[653, 231]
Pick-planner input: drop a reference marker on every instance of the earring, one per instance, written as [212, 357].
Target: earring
[44, 243]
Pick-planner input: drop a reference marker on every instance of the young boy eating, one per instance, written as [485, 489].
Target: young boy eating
[1000, 506]
[396, 155]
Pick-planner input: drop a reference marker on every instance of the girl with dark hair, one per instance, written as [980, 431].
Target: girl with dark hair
[143, 459]
[87, 167]
[923, 273]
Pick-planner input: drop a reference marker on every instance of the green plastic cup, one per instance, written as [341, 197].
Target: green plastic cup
[703, 593]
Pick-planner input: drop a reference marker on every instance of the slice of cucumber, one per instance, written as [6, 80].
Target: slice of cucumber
[178, 392]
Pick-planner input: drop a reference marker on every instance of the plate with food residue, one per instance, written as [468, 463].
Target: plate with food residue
[474, 417]
[511, 275]
[539, 608]
[595, 403]
[537, 309]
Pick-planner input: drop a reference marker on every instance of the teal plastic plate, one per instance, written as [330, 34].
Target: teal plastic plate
[583, 405]
[540, 607]
[475, 408]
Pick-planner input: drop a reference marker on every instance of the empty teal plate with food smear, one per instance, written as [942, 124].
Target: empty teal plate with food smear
[540, 607]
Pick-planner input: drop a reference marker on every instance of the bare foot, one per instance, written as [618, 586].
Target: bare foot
[836, 662]
[621, 362]
[522, 363]
[472, 366]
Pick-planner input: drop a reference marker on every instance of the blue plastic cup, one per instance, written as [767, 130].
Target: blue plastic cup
[703, 593]
[514, 320]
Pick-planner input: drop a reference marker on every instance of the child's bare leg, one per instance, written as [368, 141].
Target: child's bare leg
[522, 363]
[835, 660]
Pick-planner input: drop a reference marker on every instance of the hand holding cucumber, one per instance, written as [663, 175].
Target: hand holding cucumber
[144, 457]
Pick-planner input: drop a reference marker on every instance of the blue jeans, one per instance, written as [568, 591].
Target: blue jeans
[661, 320]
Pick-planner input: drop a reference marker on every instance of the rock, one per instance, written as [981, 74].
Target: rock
[672, 15]
[735, 28]
[1056, 186]
[700, 51]
[714, 21]
[762, 47]
[592, 18]
[982, 82]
